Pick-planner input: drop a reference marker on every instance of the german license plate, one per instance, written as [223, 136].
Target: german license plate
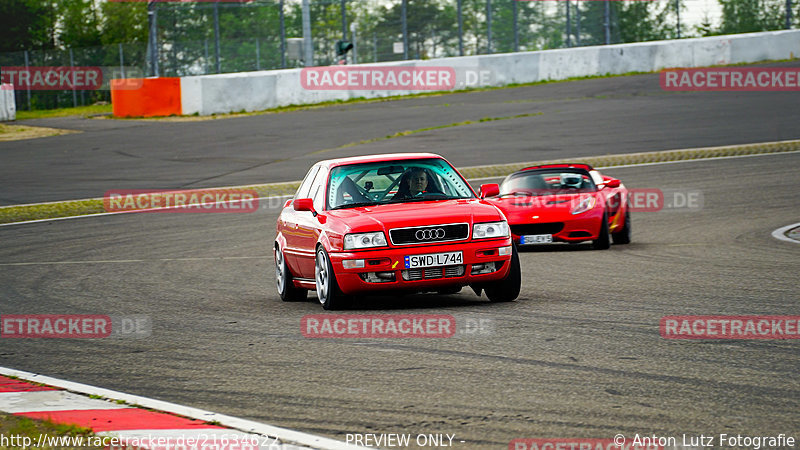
[433, 260]
[536, 239]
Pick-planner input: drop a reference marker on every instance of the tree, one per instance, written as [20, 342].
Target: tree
[123, 22]
[747, 16]
[630, 22]
[26, 25]
[79, 23]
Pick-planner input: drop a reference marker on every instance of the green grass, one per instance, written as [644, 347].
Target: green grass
[64, 112]
[19, 427]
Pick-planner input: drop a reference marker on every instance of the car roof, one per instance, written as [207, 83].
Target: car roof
[330, 163]
[585, 167]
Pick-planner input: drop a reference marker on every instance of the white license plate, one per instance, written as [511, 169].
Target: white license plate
[536, 239]
[433, 260]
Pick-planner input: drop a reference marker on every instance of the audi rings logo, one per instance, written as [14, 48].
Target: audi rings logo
[430, 234]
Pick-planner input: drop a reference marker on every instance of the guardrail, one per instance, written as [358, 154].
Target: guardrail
[255, 91]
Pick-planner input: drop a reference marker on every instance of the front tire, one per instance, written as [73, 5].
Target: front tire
[507, 289]
[623, 236]
[327, 289]
[603, 241]
[283, 279]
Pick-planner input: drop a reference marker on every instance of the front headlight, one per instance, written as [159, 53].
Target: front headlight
[490, 230]
[584, 205]
[364, 240]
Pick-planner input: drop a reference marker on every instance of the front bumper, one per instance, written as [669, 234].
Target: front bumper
[384, 269]
[564, 227]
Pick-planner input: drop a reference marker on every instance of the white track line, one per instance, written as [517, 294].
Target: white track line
[245, 425]
[288, 196]
[780, 233]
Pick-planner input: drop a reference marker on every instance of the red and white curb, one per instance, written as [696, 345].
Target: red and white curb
[161, 426]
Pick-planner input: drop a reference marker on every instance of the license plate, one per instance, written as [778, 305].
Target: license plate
[536, 239]
[433, 260]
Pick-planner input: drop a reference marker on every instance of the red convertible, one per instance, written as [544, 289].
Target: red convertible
[397, 223]
[565, 203]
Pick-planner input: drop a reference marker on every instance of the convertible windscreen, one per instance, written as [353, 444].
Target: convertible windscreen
[395, 182]
[547, 182]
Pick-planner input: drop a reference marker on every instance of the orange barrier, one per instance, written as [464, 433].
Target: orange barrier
[146, 97]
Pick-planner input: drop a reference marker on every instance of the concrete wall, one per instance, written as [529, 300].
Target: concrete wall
[253, 91]
[8, 109]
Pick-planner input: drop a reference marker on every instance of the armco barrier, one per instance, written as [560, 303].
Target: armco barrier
[254, 91]
[8, 109]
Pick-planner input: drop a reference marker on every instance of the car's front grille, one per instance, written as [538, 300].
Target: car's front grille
[432, 273]
[537, 228]
[428, 234]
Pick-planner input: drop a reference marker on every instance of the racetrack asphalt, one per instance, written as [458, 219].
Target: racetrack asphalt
[580, 118]
[578, 355]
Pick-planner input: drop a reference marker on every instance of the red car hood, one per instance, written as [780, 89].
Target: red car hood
[414, 214]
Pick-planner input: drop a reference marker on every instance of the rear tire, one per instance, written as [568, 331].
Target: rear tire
[327, 289]
[283, 279]
[623, 236]
[603, 241]
[507, 289]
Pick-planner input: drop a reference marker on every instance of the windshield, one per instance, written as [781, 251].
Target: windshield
[395, 182]
[548, 182]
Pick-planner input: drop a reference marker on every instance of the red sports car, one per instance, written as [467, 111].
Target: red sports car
[397, 222]
[565, 203]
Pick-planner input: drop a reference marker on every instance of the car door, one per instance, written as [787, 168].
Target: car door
[289, 222]
[309, 226]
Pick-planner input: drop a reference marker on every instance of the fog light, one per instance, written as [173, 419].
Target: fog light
[478, 269]
[504, 251]
[353, 263]
[377, 277]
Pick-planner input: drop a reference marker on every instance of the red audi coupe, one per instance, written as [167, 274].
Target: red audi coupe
[392, 223]
[565, 203]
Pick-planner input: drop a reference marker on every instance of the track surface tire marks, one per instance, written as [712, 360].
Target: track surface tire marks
[578, 355]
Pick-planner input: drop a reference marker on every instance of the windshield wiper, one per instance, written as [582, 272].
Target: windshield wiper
[356, 205]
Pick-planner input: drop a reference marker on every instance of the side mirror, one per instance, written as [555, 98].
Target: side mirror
[490, 190]
[304, 204]
[613, 183]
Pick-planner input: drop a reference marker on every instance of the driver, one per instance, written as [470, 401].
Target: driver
[571, 180]
[415, 182]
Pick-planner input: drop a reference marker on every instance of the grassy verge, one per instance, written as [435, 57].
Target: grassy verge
[16, 431]
[83, 111]
[21, 132]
